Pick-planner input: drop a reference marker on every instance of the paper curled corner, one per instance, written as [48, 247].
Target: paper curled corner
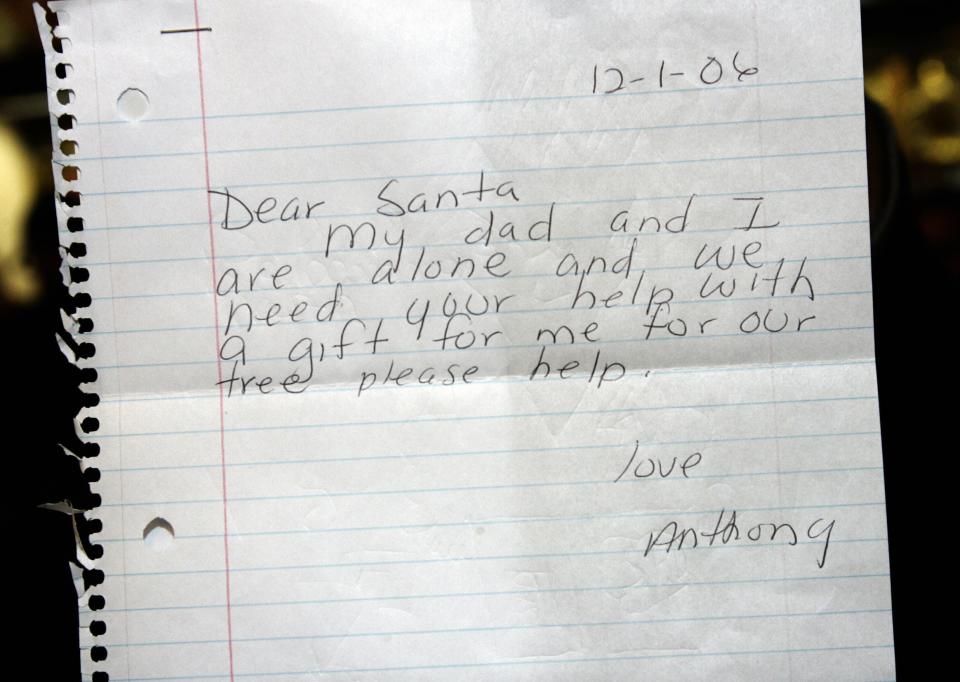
[53, 24]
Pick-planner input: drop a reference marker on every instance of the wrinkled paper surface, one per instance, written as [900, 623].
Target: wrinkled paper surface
[452, 340]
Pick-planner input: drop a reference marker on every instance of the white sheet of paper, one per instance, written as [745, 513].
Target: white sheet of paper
[591, 395]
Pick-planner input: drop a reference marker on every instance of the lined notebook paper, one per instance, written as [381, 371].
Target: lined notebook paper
[476, 341]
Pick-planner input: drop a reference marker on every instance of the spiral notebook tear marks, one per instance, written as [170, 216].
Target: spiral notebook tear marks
[488, 341]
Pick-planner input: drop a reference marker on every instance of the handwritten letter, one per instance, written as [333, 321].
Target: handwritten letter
[479, 341]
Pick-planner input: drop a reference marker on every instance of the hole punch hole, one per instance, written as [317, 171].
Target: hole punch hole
[65, 96]
[63, 70]
[158, 535]
[133, 104]
[70, 173]
[69, 147]
[92, 578]
[71, 198]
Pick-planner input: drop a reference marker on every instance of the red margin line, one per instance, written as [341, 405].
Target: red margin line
[216, 320]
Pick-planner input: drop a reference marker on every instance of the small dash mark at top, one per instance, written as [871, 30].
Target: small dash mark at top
[197, 29]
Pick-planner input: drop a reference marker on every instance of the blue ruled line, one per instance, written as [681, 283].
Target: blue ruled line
[522, 662]
[504, 380]
[498, 207]
[526, 662]
[494, 349]
[494, 557]
[467, 137]
[504, 628]
[553, 276]
[472, 102]
[484, 453]
[411, 248]
[484, 488]
[503, 593]
[485, 417]
[493, 242]
[502, 522]
[435, 316]
[473, 172]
